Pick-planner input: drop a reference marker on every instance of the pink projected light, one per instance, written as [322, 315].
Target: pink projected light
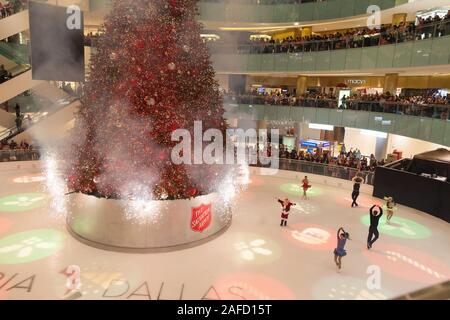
[244, 286]
[256, 181]
[5, 225]
[407, 263]
[30, 178]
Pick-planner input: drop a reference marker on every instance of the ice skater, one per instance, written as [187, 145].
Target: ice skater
[339, 252]
[373, 228]
[390, 207]
[286, 204]
[305, 187]
[357, 180]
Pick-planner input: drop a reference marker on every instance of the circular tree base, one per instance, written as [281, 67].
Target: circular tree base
[128, 225]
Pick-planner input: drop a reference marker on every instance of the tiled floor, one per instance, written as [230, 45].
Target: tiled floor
[254, 259]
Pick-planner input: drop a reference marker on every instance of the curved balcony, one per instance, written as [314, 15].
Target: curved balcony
[425, 122]
[419, 49]
[270, 11]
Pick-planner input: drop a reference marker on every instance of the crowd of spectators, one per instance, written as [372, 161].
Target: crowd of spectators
[344, 165]
[432, 105]
[351, 159]
[287, 98]
[12, 151]
[354, 38]
[10, 7]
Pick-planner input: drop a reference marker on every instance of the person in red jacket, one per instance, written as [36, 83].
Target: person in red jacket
[286, 204]
[305, 187]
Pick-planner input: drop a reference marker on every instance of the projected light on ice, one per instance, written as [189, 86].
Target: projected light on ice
[22, 202]
[363, 201]
[256, 181]
[30, 246]
[297, 190]
[31, 178]
[244, 286]
[5, 225]
[312, 237]
[400, 227]
[254, 248]
[304, 208]
[407, 263]
[340, 287]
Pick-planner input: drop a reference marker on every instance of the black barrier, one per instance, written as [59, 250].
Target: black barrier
[425, 194]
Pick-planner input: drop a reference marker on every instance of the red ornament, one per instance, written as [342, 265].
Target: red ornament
[162, 155]
[139, 44]
[192, 192]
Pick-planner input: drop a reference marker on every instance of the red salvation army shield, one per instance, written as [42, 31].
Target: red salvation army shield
[201, 217]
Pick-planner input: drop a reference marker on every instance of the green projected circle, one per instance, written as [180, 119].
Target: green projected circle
[22, 202]
[400, 228]
[30, 246]
[297, 190]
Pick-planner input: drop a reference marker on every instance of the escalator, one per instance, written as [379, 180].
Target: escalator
[14, 24]
[37, 105]
[15, 67]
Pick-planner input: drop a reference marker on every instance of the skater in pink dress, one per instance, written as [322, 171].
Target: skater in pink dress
[305, 187]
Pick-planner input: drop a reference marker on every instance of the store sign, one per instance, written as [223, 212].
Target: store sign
[201, 218]
[356, 81]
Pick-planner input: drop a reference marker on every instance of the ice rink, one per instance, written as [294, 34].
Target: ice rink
[254, 259]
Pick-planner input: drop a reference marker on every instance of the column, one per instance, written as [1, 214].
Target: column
[399, 18]
[381, 148]
[298, 134]
[390, 83]
[306, 31]
[302, 85]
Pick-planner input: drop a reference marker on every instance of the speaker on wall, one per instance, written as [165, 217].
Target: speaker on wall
[57, 42]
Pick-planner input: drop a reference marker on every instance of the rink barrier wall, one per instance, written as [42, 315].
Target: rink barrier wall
[20, 165]
[313, 178]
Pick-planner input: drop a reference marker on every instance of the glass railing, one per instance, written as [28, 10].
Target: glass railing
[18, 55]
[322, 169]
[435, 111]
[16, 52]
[19, 155]
[33, 108]
[363, 40]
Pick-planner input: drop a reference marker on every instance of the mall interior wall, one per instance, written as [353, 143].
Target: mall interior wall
[410, 146]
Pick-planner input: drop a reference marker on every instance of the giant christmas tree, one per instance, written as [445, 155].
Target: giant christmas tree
[151, 75]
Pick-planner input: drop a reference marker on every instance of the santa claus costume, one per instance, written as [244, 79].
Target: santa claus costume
[286, 204]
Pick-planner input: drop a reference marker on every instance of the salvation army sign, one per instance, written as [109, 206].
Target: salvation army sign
[201, 218]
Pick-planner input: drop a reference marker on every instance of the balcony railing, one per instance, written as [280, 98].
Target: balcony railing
[19, 155]
[416, 33]
[322, 169]
[435, 111]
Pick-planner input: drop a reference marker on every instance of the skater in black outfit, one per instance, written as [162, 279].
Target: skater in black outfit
[357, 180]
[286, 204]
[373, 229]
